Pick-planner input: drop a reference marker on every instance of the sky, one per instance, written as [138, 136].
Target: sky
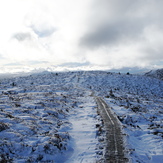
[80, 34]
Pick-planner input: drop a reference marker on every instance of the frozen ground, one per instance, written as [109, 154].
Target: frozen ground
[84, 134]
[138, 102]
[45, 117]
[52, 116]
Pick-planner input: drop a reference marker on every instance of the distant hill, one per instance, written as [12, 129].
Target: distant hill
[155, 74]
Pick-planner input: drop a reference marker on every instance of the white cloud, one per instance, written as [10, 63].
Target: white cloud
[106, 33]
[42, 30]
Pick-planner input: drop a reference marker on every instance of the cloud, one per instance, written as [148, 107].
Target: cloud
[74, 64]
[22, 36]
[14, 64]
[89, 33]
[35, 62]
[111, 34]
[1, 56]
[41, 22]
[44, 32]
[124, 33]
[120, 21]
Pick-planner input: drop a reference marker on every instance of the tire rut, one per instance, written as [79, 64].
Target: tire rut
[114, 149]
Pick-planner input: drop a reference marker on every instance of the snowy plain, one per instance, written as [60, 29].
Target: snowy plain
[52, 117]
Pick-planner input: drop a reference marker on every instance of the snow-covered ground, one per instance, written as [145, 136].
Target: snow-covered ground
[138, 102]
[84, 135]
[45, 117]
[155, 74]
[50, 117]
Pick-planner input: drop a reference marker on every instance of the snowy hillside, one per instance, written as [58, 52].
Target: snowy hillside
[155, 74]
[50, 117]
[138, 102]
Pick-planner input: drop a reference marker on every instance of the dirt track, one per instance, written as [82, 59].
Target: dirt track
[114, 152]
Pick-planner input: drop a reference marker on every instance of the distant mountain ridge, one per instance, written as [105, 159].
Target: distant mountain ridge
[155, 74]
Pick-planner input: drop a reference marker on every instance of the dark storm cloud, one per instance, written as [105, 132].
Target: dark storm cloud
[22, 36]
[115, 21]
[113, 33]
